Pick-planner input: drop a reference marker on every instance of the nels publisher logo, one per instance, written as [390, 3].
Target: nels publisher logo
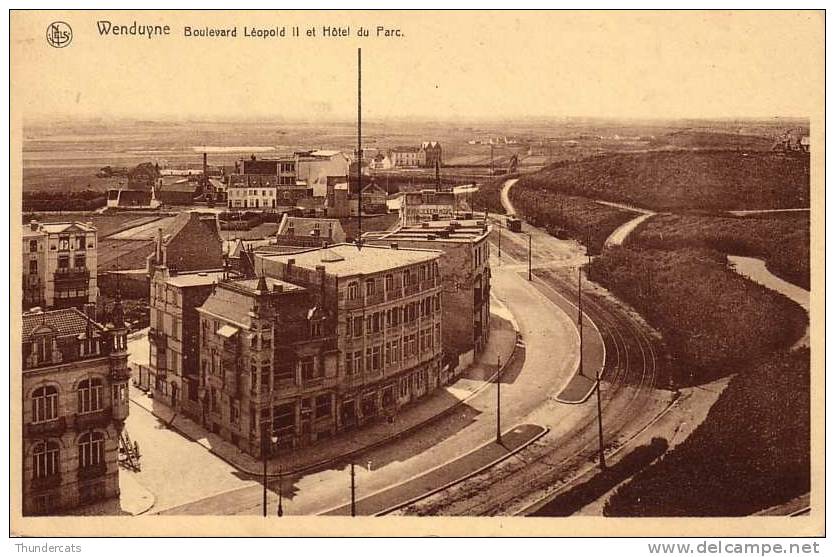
[59, 34]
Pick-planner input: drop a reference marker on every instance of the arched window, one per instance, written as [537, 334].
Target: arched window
[90, 395]
[91, 449]
[45, 461]
[44, 404]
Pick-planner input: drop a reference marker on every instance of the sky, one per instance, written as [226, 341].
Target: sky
[452, 65]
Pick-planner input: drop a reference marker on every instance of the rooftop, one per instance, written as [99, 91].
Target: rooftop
[273, 284]
[56, 227]
[200, 278]
[64, 322]
[440, 231]
[345, 260]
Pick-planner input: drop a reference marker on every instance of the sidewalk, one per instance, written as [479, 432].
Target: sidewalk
[133, 500]
[502, 342]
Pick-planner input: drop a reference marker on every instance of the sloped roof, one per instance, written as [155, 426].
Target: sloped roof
[63, 322]
[304, 226]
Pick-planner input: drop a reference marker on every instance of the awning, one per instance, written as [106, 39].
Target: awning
[227, 331]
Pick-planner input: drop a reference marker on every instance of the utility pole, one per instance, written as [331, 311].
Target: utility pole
[499, 400]
[353, 492]
[499, 226]
[359, 146]
[529, 256]
[601, 456]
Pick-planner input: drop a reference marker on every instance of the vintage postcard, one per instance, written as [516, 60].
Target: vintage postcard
[510, 273]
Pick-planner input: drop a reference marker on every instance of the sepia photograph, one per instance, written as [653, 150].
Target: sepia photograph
[456, 273]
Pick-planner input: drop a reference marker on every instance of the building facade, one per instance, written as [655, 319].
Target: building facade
[386, 304]
[465, 275]
[314, 168]
[407, 157]
[59, 264]
[433, 154]
[426, 205]
[75, 401]
[268, 364]
[173, 371]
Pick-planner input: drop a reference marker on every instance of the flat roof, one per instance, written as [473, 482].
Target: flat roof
[252, 284]
[201, 278]
[344, 260]
[465, 231]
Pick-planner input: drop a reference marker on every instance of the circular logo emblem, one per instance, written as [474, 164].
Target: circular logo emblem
[59, 34]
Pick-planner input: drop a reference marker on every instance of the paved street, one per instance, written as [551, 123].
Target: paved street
[535, 376]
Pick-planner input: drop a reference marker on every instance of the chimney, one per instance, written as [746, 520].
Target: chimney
[394, 245]
[278, 288]
[288, 269]
[33, 224]
[159, 246]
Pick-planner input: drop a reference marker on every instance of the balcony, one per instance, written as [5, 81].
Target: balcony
[427, 284]
[353, 303]
[121, 373]
[375, 298]
[68, 274]
[90, 420]
[46, 482]
[394, 294]
[51, 428]
[159, 339]
[412, 289]
[94, 471]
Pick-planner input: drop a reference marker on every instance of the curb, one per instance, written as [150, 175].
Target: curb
[537, 437]
[331, 460]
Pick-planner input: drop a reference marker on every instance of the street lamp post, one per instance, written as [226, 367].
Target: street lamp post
[499, 400]
[353, 492]
[266, 448]
[280, 511]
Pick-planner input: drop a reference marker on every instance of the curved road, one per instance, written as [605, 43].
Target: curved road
[630, 397]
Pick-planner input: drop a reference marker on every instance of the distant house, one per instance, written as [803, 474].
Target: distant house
[132, 199]
[433, 154]
[407, 157]
[309, 232]
[381, 162]
[374, 199]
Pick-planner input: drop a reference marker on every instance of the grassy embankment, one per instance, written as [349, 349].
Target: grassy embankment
[752, 451]
[684, 180]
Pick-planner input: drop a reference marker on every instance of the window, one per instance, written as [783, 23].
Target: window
[368, 323]
[80, 243]
[349, 329]
[45, 459]
[395, 351]
[389, 283]
[349, 363]
[323, 406]
[284, 418]
[358, 361]
[353, 291]
[265, 377]
[388, 354]
[64, 243]
[89, 395]
[80, 261]
[368, 360]
[376, 357]
[315, 328]
[375, 322]
[91, 449]
[44, 404]
[308, 369]
[33, 267]
[369, 287]
[64, 262]
[33, 246]
[357, 326]
[404, 387]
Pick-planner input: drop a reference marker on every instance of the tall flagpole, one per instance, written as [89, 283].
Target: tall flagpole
[359, 145]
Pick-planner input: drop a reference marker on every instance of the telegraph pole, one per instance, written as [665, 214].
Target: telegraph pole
[499, 226]
[499, 401]
[353, 492]
[601, 456]
[529, 256]
[264, 459]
